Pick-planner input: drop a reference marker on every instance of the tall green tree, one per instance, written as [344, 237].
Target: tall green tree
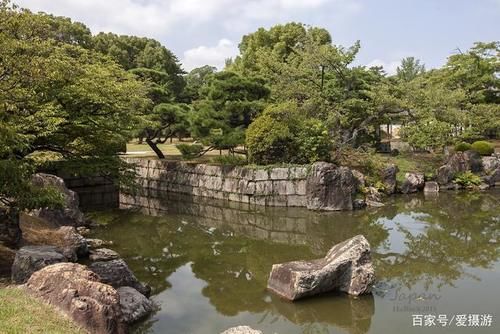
[229, 103]
[62, 100]
[409, 69]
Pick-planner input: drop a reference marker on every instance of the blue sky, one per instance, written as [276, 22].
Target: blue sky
[203, 32]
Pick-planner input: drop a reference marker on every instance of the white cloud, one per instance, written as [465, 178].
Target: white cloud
[390, 67]
[209, 55]
[158, 18]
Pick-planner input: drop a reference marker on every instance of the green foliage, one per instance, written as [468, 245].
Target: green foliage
[427, 134]
[467, 179]
[283, 135]
[229, 104]
[409, 69]
[133, 52]
[229, 160]
[462, 147]
[313, 141]
[59, 97]
[190, 151]
[483, 147]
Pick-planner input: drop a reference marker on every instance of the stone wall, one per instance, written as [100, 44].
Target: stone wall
[94, 192]
[321, 186]
[270, 187]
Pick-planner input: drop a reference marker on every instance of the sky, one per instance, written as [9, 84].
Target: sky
[202, 32]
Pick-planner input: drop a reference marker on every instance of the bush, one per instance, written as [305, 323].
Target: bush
[467, 179]
[462, 147]
[190, 151]
[483, 147]
[230, 160]
[283, 135]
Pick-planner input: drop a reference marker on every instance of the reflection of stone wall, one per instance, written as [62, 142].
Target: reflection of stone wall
[270, 187]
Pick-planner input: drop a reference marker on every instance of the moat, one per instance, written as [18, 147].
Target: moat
[208, 262]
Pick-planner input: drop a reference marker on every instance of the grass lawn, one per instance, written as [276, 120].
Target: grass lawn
[426, 163]
[22, 314]
[134, 149]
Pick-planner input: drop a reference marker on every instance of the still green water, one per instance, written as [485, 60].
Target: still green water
[208, 263]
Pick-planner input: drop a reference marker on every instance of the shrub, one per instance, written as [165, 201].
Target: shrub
[462, 147]
[230, 160]
[467, 179]
[283, 135]
[313, 141]
[190, 151]
[483, 147]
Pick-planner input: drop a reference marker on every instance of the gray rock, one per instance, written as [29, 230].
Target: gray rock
[495, 178]
[459, 162]
[330, 188]
[413, 182]
[347, 267]
[134, 305]
[490, 164]
[30, 259]
[388, 177]
[97, 243]
[10, 233]
[359, 204]
[374, 204]
[117, 274]
[70, 214]
[431, 187]
[39, 232]
[372, 194]
[103, 254]
[241, 330]
[360, 177]
[77, 292]
[484, 186]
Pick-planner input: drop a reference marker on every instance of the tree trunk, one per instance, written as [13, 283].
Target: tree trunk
[155, 148]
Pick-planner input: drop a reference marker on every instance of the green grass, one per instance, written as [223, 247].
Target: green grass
[23, 314]
[426, 163]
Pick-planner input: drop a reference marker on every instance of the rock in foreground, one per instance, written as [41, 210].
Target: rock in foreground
[117, 274]
[33, 258]
[241, 330]
[77, 291]
[347, 267]
[134, 305]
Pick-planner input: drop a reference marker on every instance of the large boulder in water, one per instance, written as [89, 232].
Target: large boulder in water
[347, 267]
[134, 305]
[330, 188]
[70, 214]
[117, 274]
[388, 177]
[10, 233]
[76, 291]
[30, 259]
[413, 182]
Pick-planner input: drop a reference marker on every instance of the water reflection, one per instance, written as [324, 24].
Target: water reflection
[195, 250]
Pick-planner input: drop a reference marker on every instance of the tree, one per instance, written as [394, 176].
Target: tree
[195, 80]
[409, 69]
[229, 102]
[61, 101]
[133, 52]
[166, 120]
[282, 134]
[280, 41]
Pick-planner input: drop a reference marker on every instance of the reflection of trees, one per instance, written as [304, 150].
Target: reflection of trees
[461, 230]
[232, 248]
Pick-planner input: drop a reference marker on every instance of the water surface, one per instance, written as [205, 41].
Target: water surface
[208, 262]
